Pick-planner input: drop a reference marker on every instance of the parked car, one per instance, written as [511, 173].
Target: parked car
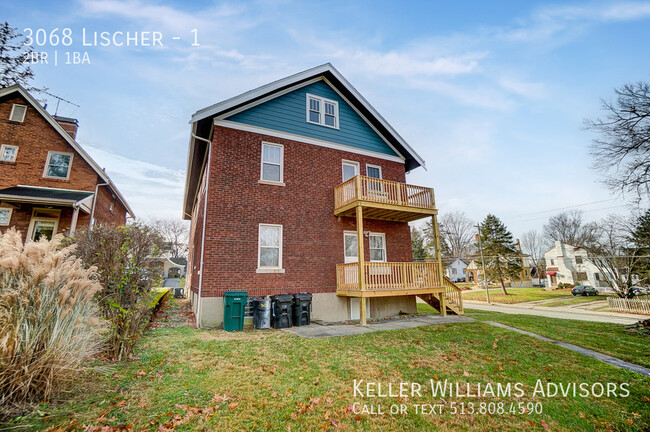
[585, 290]
[636, 291]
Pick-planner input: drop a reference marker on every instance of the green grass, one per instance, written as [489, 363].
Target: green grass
[605, 338]
[205, 380]
[516, 295]
[575, 300]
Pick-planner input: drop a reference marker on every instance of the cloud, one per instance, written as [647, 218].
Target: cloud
[151, 190]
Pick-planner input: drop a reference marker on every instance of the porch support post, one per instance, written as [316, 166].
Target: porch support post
[75, 216]
[441, 274]
[362, 267]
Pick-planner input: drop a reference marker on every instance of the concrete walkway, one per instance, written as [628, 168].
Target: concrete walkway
[556, 312]
[584, 351]
[323, 331]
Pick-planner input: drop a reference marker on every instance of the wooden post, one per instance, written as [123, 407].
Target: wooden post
[357, 187]
[75, 217]
[360, 262]
[441, 275]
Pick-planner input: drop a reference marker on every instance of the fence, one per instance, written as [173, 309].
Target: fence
[641, 306]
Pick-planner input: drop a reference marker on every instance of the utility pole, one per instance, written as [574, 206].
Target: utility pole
[480, 248]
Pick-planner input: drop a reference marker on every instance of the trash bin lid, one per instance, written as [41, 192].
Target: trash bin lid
[282, 297]
[302, 296]
[235, 294]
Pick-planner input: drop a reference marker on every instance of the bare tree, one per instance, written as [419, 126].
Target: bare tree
[175, 234]
[622, 151]
[569, 228]
[533, 244]
[614, 253]
[456, 232]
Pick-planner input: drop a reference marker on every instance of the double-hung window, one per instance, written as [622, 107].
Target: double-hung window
[377, 243]
[58, 165]
[272, 163]
[5, 215]
[269, 248]
[8, 153]
[321, 111]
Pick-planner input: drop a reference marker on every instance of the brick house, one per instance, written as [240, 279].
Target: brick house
[283, 180]
[48, 183]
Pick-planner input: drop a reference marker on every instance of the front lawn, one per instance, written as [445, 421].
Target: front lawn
[576, 300]
[515, 295]
[186, 379]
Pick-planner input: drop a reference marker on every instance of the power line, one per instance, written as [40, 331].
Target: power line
[562, 208]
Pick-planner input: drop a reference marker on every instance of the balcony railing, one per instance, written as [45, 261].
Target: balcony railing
[361, 188]
[389, 276]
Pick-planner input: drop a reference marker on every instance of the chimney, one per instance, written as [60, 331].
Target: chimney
[518, 247]
[69, 124]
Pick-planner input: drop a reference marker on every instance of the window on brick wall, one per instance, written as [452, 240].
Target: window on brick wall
[272, 163]
[5, 216]
[8, 153]
[58, 165]
[377, 243]
[269, 247]
[18, 113]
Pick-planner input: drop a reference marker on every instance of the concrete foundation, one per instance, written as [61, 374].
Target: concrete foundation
[382, 307]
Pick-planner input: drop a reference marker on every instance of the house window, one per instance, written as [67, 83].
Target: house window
[58, 165]
[552, 262]
[5, 216]
[578, 260]
[112, 207]
[350, 169]
[272, 163]
[453, 271]
[597, 276]
[321, 111]
[18, 113]
[43, 224]
[8, 153]
[351, 247]
[377, 243]
[270, 247]
[581, 276]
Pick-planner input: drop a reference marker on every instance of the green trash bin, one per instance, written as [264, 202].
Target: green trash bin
[234, 303]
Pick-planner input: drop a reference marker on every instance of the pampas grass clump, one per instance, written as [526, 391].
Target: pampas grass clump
[49, 320]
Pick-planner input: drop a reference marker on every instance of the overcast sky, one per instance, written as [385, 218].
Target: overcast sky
[492, 95]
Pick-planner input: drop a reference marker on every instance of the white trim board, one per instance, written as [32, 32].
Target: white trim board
[299, 138]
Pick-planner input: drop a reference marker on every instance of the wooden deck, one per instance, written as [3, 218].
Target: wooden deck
[398, 279]
[383, 199]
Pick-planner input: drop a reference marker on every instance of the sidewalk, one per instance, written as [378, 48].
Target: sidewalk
[556, 312]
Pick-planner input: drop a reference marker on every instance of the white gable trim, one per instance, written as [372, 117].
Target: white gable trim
[318, 70]
[37, 106]
[302, 139]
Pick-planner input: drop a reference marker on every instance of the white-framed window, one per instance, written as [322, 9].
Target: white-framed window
[321, 111]
[269, 247]
[374, 171]
[8, 153]
[272, 169]
[377, 246]
[349, 169]
[112, 207]
[350, 247]
[18, 113]
[58, 165]
[44, 224]
[5, 215]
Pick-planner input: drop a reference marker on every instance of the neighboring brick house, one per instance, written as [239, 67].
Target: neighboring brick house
[281, 182]
[569, 264]
[48, 183]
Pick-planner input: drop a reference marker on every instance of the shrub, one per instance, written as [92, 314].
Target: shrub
[122, 255]
[49, 321]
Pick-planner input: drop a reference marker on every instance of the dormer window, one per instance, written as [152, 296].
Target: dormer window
[321, 111]
[18, 113]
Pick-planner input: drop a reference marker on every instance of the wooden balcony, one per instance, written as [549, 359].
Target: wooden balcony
[399, 279]
[383, 199]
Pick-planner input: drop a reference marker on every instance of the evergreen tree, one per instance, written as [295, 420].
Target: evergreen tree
[502, 260]
[418, 245]
[13, 52]
[640, 238]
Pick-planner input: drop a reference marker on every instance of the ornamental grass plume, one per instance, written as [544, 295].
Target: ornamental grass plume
[50, 324]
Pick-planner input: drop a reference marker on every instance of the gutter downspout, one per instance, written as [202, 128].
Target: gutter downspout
[205, 214]
[92, 212]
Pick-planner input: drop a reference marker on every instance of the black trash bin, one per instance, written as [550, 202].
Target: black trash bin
[282, 306]
[178, 292]
[261, 312]
[302, 309]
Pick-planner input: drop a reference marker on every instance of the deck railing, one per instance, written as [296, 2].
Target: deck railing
[383, 191]
[383, 276]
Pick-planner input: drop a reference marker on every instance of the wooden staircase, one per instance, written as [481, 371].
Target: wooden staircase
[453, 300]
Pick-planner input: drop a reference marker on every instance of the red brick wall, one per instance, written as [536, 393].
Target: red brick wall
[312, 235]
[196, 235]
[34, 138]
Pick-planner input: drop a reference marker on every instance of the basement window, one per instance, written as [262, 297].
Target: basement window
[58, 165]
[321, 111]
[18, 113]
[8, 153]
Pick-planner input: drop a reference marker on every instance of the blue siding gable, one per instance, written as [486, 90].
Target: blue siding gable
[288, 113]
